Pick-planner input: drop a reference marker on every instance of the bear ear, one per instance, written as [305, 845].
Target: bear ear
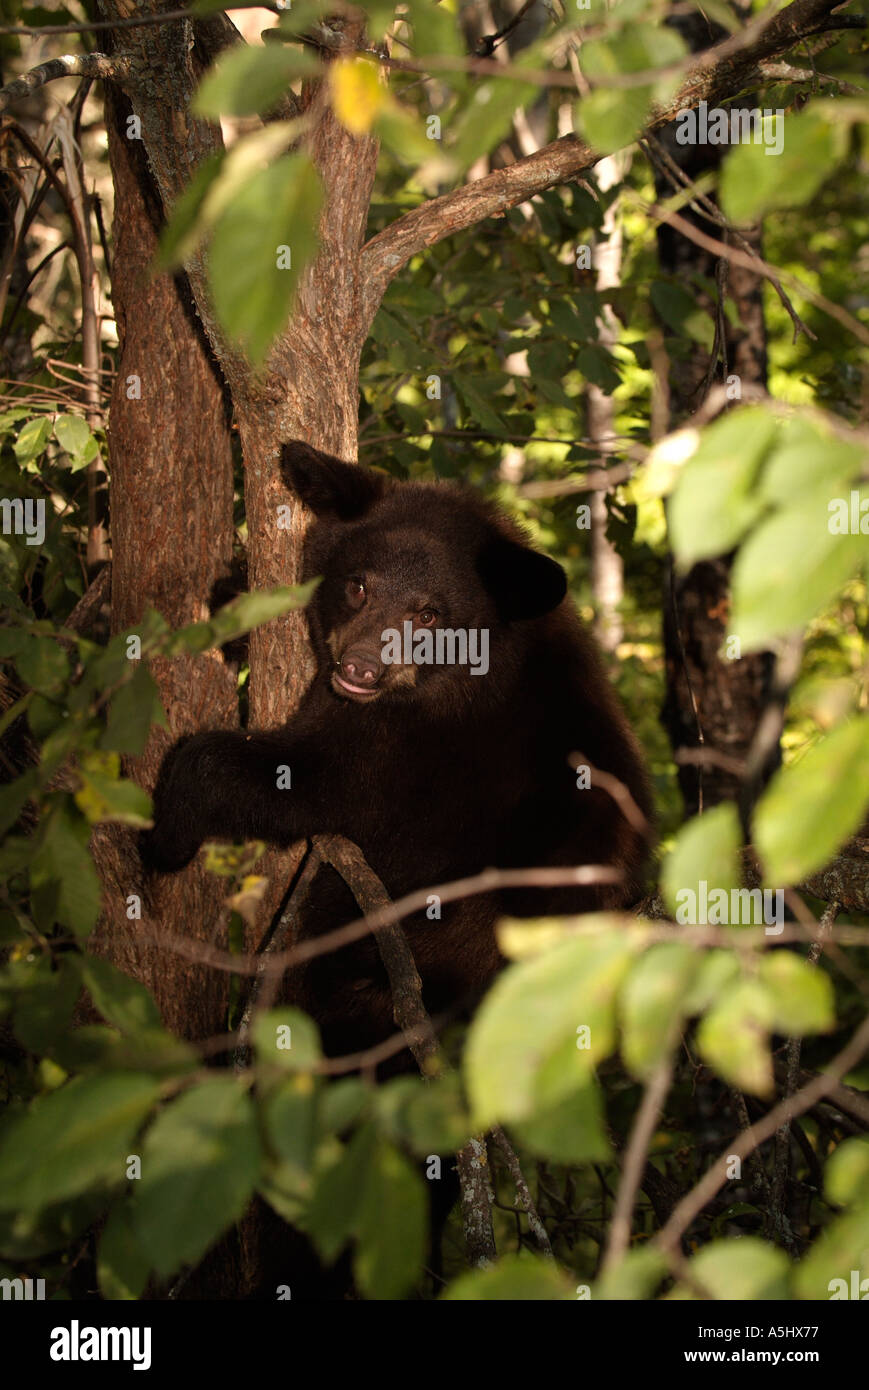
[523, 583]
[327, 485]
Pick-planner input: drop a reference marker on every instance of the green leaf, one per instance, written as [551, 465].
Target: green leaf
[121, 1001]
[487, 118]
[746, 1269]
[612, 118]
[767, 603]
[801, 996]
[570, 1129]
[122, 1267]
[734, 1037]
[335, 1211]
[836, 1265]
[133, 709]
[252, 610]
[651, 1005]
[428, 1117]
[480, 413]
[846, 1173]
[515, 1279]
[846, 1176]
[63, 861]
[200, 1164]
[290, 1120]
[186, 225]
[250, 79]
[9, 419]
[435, 30]
[105, 798]
[287, 1038]
[635, 1277]
[341, 1104]
[754, 179]
[15, 797]
[43, 1000]
[532, 1011]
[717, 969]
[32, 439]
[716, 499]
[680, 311]
[392, 1226]
[72, 434]
[260, 245]
[72, 1140]
[830, 785]
[706, 852]
[806, 458]
[42, 664]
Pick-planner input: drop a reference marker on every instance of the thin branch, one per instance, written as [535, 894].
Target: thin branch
[637, 1151]
[266, 981]
[653, 909]
[713, 75]
[758, 267]
[692, 1205]
[412, 1018]
[523, 1192]
[782, 1148]
[489, 880]
[705, 207]
[139, 21]
[103, 65]
[405, 984]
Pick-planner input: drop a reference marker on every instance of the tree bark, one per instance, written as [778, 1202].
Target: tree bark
[710, 699]
[171, 530]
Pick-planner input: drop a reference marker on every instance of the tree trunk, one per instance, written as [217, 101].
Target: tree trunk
[171, 530]
[711, 699]
[607, 570]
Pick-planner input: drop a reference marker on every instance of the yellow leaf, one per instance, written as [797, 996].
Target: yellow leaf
[357, 94]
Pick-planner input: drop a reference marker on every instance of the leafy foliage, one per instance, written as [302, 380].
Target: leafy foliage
[488, 344]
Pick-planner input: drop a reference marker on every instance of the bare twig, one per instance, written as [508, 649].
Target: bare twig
[693, 1203]
[635, 1159]
[139, 21]
[523, 1192]
[781, 1161]
[405, 984]
[713, 75]
[758, 267]
[69, 65]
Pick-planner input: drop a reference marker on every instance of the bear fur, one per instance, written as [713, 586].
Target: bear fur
[435, 771]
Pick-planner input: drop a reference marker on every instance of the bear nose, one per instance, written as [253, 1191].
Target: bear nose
[360, 667]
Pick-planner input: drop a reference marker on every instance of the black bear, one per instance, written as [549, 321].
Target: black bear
[455, 688]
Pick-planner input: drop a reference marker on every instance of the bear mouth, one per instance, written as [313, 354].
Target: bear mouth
[362, 694]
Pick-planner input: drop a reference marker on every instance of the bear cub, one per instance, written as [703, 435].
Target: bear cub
[455, 691]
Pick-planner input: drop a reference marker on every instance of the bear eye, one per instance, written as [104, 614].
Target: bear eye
[427, 618]
[355, 590]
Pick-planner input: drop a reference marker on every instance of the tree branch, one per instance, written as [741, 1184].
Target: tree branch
[70, 65]
[714, 76]
[634, 1166]
[692, 1204]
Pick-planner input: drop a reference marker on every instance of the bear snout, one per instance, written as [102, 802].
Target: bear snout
[359, 671]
